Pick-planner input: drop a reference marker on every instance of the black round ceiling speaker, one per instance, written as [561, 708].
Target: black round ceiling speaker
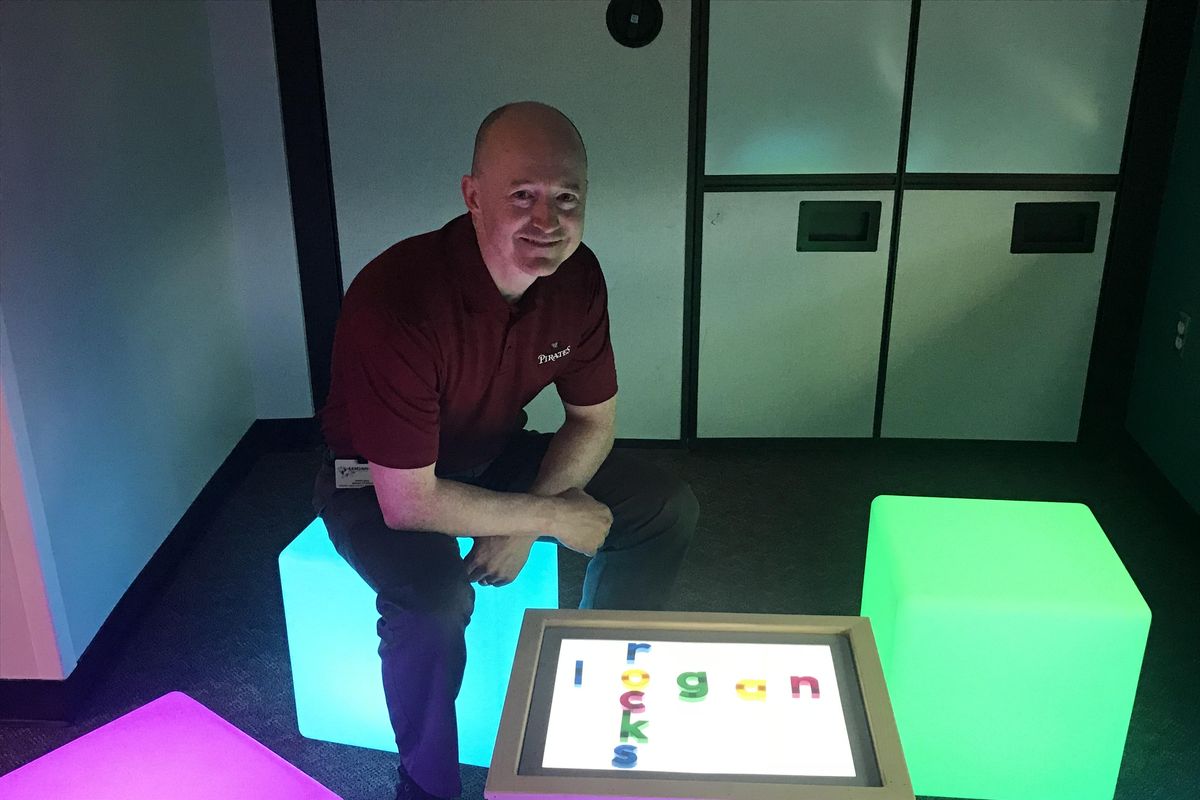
[634, 23]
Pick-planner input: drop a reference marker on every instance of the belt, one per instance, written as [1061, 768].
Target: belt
[473, 472]
[328, 457]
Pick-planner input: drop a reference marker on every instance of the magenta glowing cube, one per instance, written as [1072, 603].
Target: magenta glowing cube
[172, 748]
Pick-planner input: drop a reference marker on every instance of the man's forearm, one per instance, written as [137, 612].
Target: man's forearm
[576, 451]
[460, 509]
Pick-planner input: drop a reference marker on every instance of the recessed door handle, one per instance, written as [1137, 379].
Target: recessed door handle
[838, 226]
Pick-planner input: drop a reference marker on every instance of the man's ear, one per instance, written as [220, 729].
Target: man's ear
[470, 193]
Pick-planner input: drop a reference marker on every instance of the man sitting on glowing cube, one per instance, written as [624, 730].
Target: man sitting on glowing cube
[442, 340]
[331, 614]
[1011, 638]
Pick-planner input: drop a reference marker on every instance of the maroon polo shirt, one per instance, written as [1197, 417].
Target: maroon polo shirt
[431, 364]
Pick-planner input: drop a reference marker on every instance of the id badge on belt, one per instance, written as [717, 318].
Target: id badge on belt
[351, 473]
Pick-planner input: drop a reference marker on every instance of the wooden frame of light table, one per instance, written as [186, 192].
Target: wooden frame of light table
[528, 693]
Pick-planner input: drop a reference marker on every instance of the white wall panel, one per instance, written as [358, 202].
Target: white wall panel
[264, 237]
[988, 344]
[119, 294]
[789, 342]
[406, 86]
[1023, 87]
[805, 87]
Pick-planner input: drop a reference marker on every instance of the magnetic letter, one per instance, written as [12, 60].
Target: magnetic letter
[810, 682]
[625, 756]
[579, 673]
[634, 649]
[692, 685]
[752, 690]
[629, 676]
[632, 701]
[633, 729]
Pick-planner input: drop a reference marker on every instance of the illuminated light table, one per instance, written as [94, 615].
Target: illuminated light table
[173, 747]
[651, 704]
[1012, 640]
[332, 642]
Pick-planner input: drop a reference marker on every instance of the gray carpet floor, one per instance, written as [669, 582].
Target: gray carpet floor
[783, 530]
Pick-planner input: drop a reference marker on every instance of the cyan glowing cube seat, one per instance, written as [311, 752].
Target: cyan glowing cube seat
[173, 748]
[330, 615]
[1011, 639]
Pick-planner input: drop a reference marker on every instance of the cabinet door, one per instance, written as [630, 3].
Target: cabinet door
[1023, 87]
[986, 343]
[805, 88]
[789, 340]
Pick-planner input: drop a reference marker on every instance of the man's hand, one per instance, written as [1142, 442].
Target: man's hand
[497, 560]
[583, 522]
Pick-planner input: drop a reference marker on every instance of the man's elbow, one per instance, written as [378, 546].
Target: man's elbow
[407, 497]
[396, 519]
[412, 513]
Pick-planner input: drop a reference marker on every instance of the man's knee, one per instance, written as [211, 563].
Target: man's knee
[689, 506]
[680, 508]
[438, 609]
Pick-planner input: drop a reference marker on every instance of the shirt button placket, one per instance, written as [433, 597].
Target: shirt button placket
[506, 352]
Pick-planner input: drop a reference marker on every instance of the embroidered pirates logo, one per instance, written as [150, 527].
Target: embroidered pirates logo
[546, 358]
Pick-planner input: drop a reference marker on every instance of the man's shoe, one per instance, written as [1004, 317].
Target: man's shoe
[407, 788]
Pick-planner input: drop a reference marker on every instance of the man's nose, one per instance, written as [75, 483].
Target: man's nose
[545, 215]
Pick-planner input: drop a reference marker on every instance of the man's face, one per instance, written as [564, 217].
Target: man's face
[528, 204]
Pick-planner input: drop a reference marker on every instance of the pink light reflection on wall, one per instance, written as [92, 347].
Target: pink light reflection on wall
[173, 747]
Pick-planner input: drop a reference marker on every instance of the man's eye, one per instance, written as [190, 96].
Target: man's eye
[522, 195]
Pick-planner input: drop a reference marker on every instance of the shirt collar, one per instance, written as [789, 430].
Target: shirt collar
[479, 291]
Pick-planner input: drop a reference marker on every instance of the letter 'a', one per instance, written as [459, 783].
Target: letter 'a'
[752, 690]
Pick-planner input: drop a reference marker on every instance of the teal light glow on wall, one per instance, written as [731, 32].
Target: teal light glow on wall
[1011, 639]
[330, 615]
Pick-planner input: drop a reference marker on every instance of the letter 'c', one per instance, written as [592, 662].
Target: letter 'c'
[631, 701]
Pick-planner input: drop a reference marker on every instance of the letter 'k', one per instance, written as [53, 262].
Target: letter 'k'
[633, 729]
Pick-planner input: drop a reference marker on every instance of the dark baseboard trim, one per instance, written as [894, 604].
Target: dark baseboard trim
[650, 444]
[869, 444]
[294, 435]
[58, 702]
[35, 702]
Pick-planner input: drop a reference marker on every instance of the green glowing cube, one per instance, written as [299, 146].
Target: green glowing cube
[330, 616]
[1011, 639]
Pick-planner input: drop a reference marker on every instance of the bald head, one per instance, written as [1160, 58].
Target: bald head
[526, 193]
[526, 124]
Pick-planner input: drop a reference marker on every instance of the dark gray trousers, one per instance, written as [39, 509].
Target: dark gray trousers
[425, 600]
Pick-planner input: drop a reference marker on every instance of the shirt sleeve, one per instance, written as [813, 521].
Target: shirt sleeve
[392, 391]
[590, 374]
